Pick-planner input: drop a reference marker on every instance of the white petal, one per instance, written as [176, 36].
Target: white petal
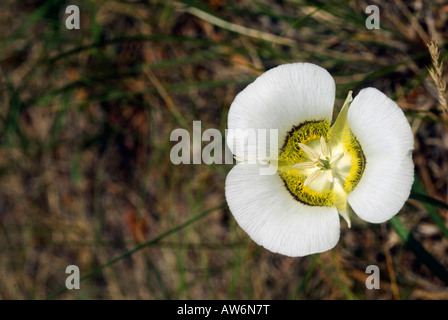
[265, 209]
[329, 175]
[386, 139]
[380, 125]
[383, 190]
[283, 97]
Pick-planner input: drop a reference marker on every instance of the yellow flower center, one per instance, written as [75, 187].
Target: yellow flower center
[293, 155]
[321, 165]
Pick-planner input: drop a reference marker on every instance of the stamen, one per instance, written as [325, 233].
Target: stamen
[312, 177]
[336, 157]
[310, 152]
[324, 148]
[305, 165]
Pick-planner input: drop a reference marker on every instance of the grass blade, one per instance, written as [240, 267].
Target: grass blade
[419, 193]
[429, 200]
[420, 252]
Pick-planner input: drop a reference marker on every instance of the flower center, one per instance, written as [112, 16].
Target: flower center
[324, 164]
[321, 161]
[317, 166]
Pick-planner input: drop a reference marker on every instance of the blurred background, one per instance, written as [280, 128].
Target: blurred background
[85, 172]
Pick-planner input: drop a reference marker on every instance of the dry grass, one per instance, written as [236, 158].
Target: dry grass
[86, 115]
[437, 75]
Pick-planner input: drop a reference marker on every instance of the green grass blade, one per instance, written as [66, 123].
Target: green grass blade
[419, 193]
[420, 252]
[428, 200]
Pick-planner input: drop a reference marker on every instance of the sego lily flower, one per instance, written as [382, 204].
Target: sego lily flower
[362, 161]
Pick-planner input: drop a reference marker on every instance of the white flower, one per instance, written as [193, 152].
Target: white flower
[363, 160]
